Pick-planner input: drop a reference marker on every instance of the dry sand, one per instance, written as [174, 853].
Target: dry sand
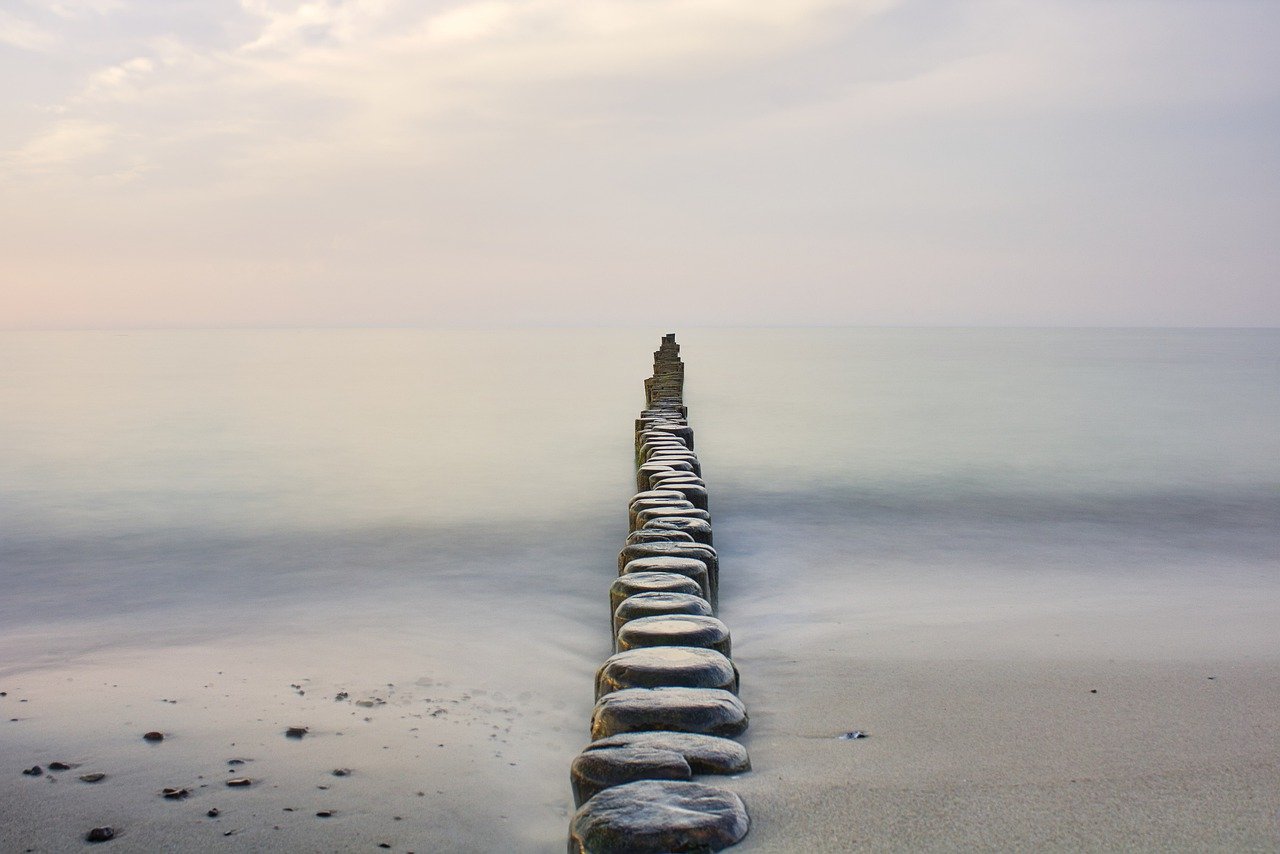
[984, 733]
[1074, 730]
[998, 756]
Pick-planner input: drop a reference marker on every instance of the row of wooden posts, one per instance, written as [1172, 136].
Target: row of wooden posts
[666, 708]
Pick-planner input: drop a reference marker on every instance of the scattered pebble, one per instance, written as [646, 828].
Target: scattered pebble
[296, 731]
[214, 812]
[851, 735]
[236, 761]
[93, 777]
[100, 834]
[342, 695]
[240, 781]
[175, 794]
[384, 845]
[324, 814]
[153, 736]
[33, 771]
[59, 766]
[341, 772]
[1093, 690]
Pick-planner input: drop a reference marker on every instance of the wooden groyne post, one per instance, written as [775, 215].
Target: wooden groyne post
[666, 701]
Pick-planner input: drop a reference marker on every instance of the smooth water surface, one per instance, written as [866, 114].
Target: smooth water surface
[428, 521]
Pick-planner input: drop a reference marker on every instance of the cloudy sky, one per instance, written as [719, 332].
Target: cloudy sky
[660, 162]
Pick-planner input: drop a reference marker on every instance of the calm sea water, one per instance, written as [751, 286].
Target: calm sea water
[434, 516]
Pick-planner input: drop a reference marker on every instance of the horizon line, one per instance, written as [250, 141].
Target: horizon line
[494, 327]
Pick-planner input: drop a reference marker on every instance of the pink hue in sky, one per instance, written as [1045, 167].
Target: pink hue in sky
[556, 162]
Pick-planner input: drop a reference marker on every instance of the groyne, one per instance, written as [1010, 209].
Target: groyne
[667, 706]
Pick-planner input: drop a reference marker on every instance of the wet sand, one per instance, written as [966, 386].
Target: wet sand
[1101, 719]
[999, 756]
[433, 766]
[965, 750]
[974, 684]
[449, 744]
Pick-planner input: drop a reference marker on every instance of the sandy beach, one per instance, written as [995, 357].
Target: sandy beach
[1016, 755]
[970, 746]
[1048, 709]
[400, 759]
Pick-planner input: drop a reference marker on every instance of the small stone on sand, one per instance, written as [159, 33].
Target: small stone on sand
[153, 736]
[100, 834]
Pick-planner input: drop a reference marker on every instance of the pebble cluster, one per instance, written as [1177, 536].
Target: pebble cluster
[667, 702]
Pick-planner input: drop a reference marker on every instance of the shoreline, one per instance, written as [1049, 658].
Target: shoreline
[971, 744]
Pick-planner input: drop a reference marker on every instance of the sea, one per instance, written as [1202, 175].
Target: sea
[402, 540]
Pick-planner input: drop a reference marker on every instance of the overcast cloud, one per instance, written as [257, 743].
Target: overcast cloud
[209, 162]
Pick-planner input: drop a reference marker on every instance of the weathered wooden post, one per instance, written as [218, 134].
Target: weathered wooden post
[666, 701]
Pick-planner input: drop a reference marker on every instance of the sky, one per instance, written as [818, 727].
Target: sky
[173, 163]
